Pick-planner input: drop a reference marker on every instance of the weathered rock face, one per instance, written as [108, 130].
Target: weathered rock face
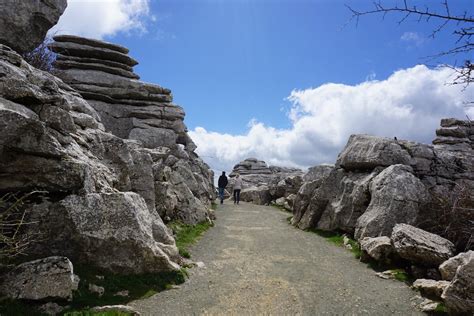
[169, 175]
[280, 180]
[115, 229]
[378, 248]
[396, 197]
[264, 184]
[257, 195]
[449, 267]
[24, 24]
[49, 278]
[103, 200]
[431, 288]
[379, 182]
[421, 247]
[459, 295]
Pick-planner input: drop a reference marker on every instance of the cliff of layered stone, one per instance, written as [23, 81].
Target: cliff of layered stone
[173, 180]
[380, 182]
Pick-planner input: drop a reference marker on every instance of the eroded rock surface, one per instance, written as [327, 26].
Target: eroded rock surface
[419, 246]
[459, 295]
[24, 24]
[48, 278]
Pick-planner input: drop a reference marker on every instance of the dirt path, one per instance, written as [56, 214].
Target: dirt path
[256, 263]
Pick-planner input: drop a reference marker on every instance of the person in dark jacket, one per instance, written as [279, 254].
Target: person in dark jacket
[222, 183]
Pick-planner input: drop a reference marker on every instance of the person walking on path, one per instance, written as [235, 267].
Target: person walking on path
[237, 188]
[222, 183]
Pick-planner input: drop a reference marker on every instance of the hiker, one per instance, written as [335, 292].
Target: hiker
[237, 188]
[221, 184]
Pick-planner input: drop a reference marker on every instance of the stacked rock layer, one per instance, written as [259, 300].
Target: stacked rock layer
[178, 184]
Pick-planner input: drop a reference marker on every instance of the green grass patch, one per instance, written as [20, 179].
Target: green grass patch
[281, 208]
[338, 239]
[441, 309]
[187, 235]
[213, 206]
[401, 275]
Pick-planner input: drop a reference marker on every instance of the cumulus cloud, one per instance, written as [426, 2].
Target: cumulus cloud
[100, 18]
[409, 105]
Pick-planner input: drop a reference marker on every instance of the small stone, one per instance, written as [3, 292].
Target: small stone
[428, 306]
[122, 294]
[99, 290]
[51, 309]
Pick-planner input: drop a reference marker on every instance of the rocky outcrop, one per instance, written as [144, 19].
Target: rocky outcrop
[421, 247]
[257, 195]
[168, 173]
[48, 278]
[281, 181]
[379, 182]
[459, 295]
[53, 141]
[24, 24]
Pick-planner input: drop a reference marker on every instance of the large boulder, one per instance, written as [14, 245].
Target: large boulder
[24, 24]
[49, 278]
[113, 231]
[449, 267]
[257, 195]
[459, 295]
[396, 197]
[365, 152]
[421, 247]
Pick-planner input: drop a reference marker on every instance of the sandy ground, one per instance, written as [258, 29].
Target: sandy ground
[257, 264]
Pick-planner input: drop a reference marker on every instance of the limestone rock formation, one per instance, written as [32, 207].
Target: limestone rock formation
[379, 182]
[431, 288]
[256, 173]
[169, 174]
[419, 246]
[378, 248]
[459, 295]
[449, 267]
[24, 24]
[48, 278]
[53, 141]
[257, 195]
[396, 197]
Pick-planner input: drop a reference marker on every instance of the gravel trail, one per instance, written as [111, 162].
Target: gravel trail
[256, 263]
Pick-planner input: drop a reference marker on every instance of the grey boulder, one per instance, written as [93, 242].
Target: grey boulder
[24, 24]
[378, 248]
[431, 288]
[449, 267]
[459, 295]
[257, 195]
[421, 247]
[48, 278]
[397, 196]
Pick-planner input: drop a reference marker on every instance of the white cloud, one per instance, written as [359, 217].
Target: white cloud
[413, 38]
[100, 18]
[409, 104]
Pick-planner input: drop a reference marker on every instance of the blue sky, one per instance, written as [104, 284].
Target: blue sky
[232, 64]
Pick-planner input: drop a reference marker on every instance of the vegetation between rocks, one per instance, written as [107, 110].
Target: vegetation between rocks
[186, 235]
[118, 289]
[338, 239]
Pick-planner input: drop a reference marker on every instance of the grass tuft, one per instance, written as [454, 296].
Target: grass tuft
[187, 235]
[338, 239]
